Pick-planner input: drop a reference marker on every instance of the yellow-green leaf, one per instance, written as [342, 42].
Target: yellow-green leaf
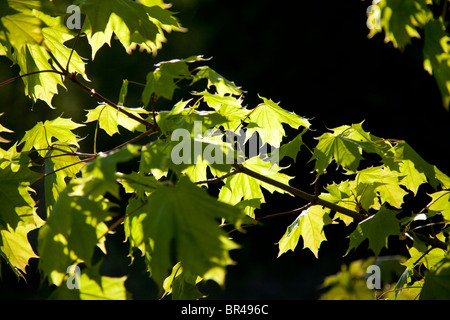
[309, 225]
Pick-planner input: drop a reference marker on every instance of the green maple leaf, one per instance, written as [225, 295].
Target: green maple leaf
[335, 146]
[244, 187]
[182, 222]
[342, 194]
[15, 247]
[292, 148]
[134, 24]
[436, 285]
[40, 137]
[383, 182]
[99, 176]
[429, 260]
[163, 81]
[376, 229]
[76, 224]
[401, 20]
[109, 118]
[18, 205]
[436, 57]
[345, 145]
[92, 286]
[228, 106]
[138, 183]
[440, 204]
[18, 215]
[269, 118]
[182, 285]
[59, 164]
[413, 166]
[309, 225]
[223, 86]
[73, 230]
[29, 30]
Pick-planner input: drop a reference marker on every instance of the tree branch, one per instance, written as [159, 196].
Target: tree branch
[301, 194]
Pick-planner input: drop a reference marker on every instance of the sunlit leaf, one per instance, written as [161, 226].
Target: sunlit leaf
[376, 229]
[309, 225]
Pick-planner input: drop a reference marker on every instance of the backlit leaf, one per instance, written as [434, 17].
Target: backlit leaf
[109, 118]
[133, 23]
[40, 137]
[181, 221]
[309, 225]
[269, 118]
[376, 229]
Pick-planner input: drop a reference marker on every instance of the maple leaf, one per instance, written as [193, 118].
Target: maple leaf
[29, 31]
[335, 146]
[413, 166]
[15, 247]
[440, 204]
[92, 285]
[376, 229]
[73, 230]
[228, 106]
[436, 285]
[292, 148]
[99, 176]
[59, 164]
[184, 218]
[18, 205]
[309, 225]
[436, 57]
[134, 24]
[383, 182]
[109, 118]
[269, 118]
[40, 137]
[222, 85]
[18, 215]
[241, 186]
[342, 194]
[182, 285]
[401, 19]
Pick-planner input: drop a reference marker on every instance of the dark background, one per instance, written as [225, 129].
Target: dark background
[315, 58]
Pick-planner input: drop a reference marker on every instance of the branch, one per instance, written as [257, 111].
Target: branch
[314, 200]
[29, 74]
[436, 243]
[217, 179]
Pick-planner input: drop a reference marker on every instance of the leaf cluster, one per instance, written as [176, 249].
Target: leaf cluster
[183, 231]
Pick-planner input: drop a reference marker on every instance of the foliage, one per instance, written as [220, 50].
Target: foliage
[403, 20]
[210, 137]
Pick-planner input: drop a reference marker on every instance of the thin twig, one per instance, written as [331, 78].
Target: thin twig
[120, 220]
[398, 289]
[285, 213]
[152, 101]
[139, 137]
[63, 168]
[217, 179]
[29, 74]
